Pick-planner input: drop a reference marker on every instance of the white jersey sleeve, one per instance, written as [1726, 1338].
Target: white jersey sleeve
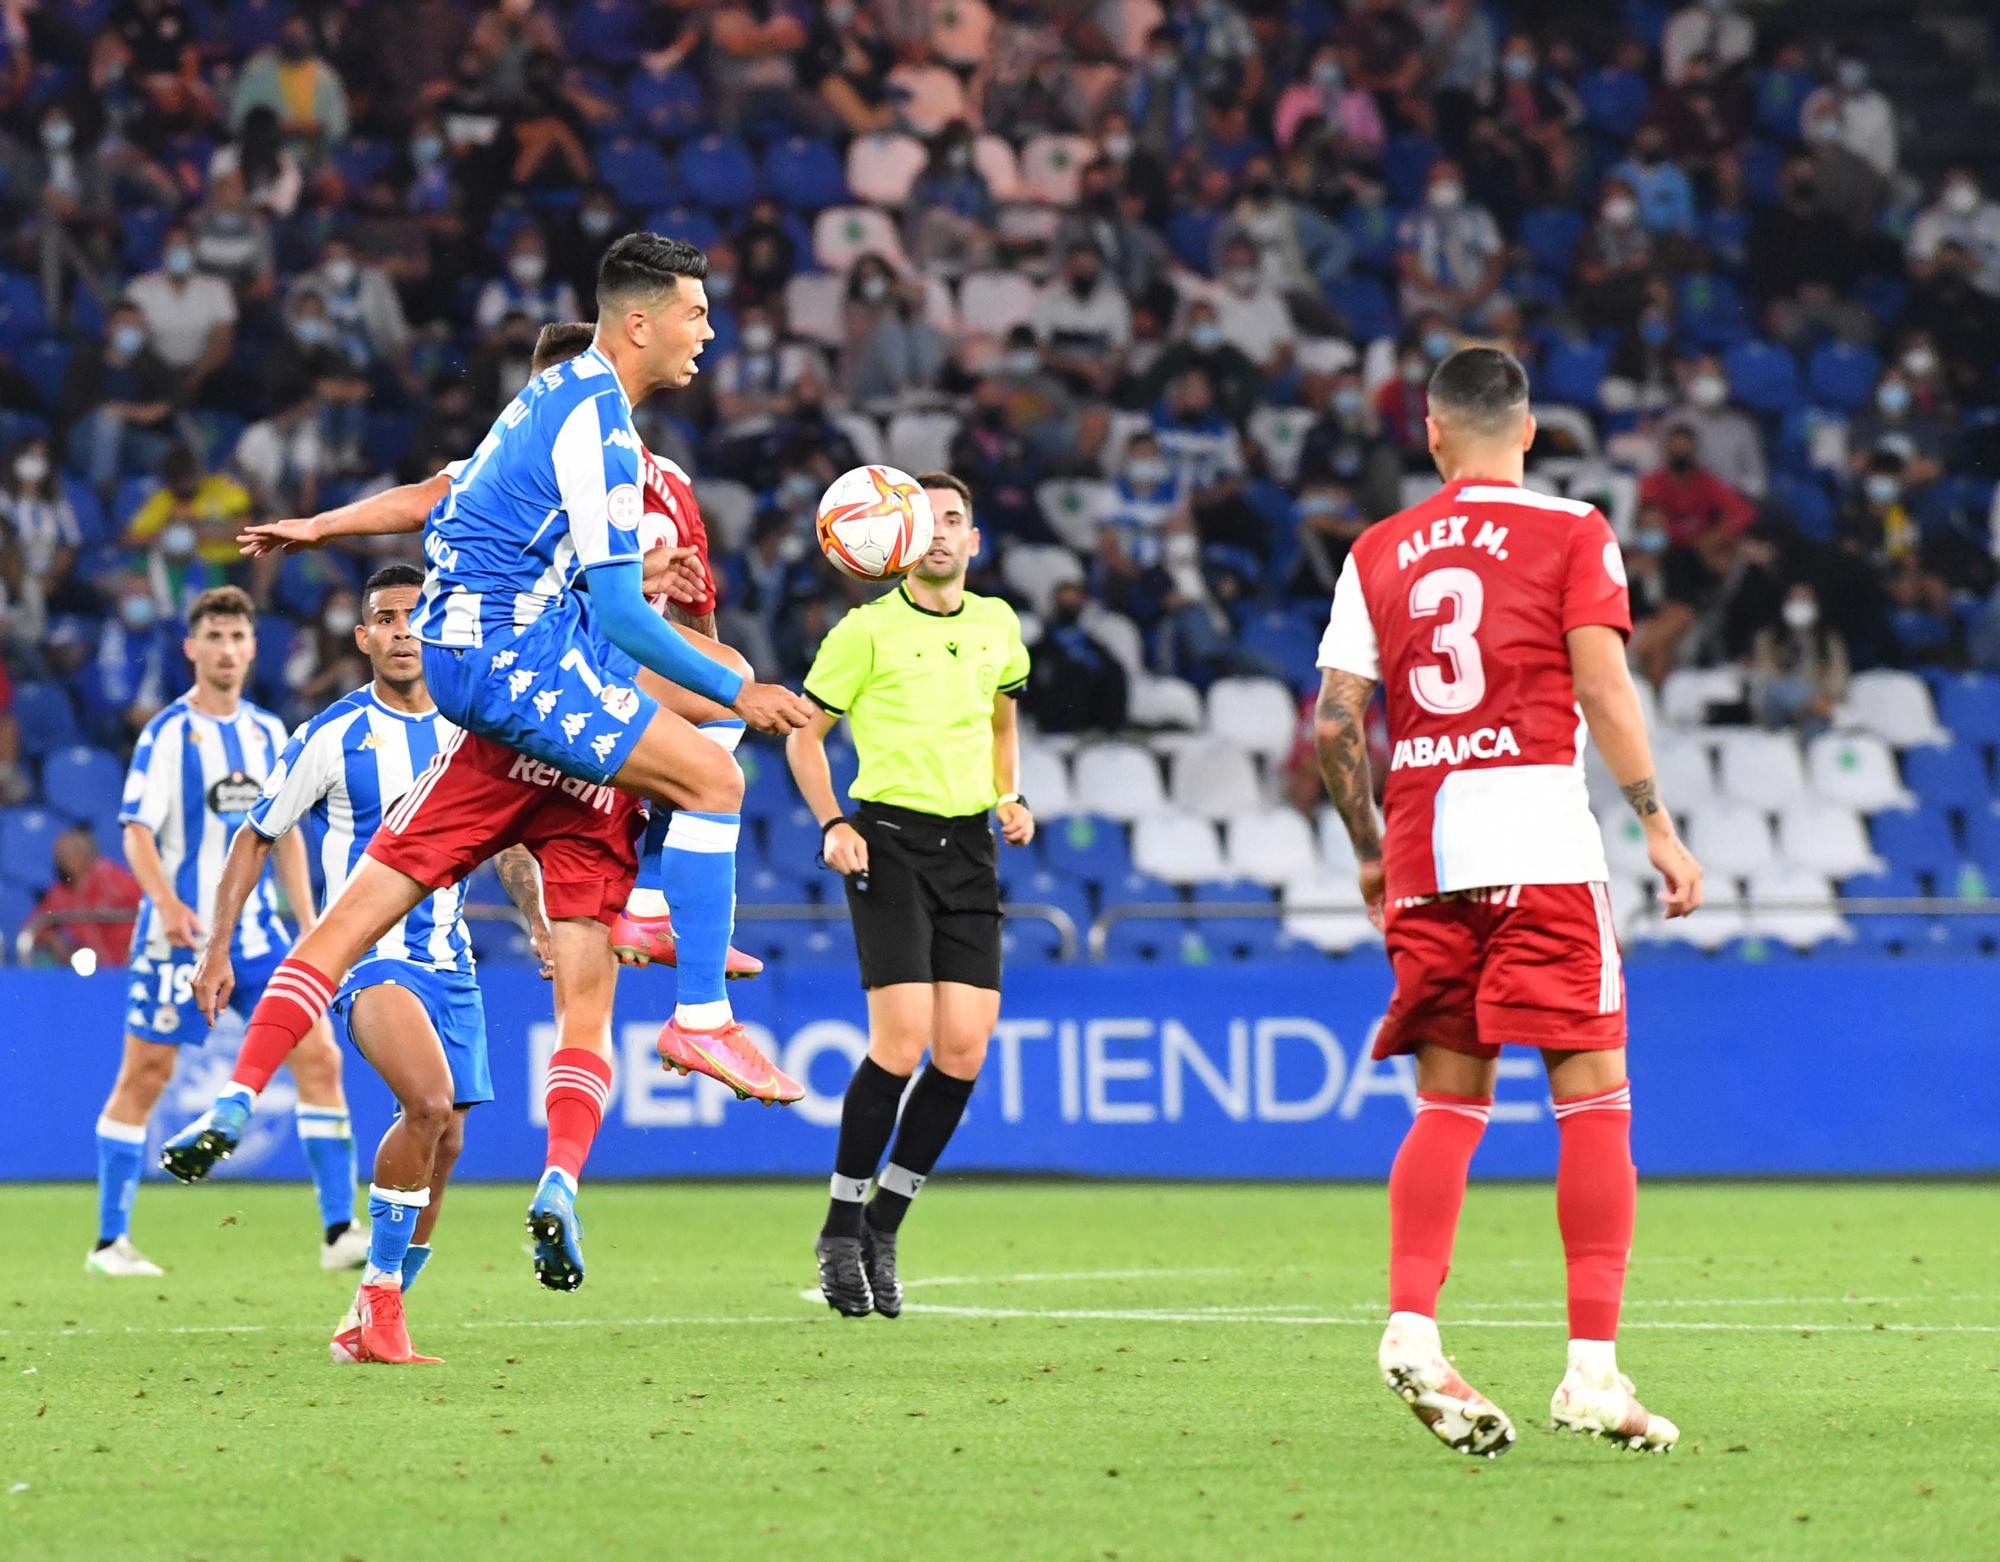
[1349, 642]
[153, 784]
[308, 769]
[596, 457]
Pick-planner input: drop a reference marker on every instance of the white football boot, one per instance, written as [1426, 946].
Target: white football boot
[120, 1259]
[349, 1250]
[345, 1346]
[1600, 1402]
[1414, 1367]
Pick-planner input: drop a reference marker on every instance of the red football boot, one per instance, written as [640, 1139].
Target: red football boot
[651, 941]
[384, 1335]
[728, 1055]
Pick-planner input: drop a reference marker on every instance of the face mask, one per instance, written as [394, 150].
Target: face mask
[31, 466]
[57, 134]
[1961, 197]
[1853, 75]
[339, 620]
[1118, 145]
[137, 612]
[1654, 331]
[528, 268]
[797, 488]
[1328, 76]
[312, 330]
[1243, 279]
[1920, 361]
[1519, 67]
[1801, 613]
[758, 337]
[1347, 401]
[1893, 399]
[179, 260]
[1650, 542]
[127, 340]
[1446, 195]
[719, 288]
[959, 157]
[596, 222]
[1147, 472]
[1023, 360]
[1825, 129]
[1317, 507]
[1437, 345]
[1206, 337]
[177, 540]
[840, 12]
[874, 287]
[341, 272]
[1621, 211]
[1164, 65]
[1708, 391]
[1881, 488]
[427, 149]
[1414, 371]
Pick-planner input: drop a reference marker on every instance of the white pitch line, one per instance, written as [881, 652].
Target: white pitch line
[1064, 1276]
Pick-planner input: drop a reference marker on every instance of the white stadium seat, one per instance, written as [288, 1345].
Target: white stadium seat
[1267, 845]
[1325, 909]
[1631, 901]
[1178, 847]
[1689, 692]
[1075, 506]
[1034, 569]
[1155, 700]
[1732, 839]
[727, 510]
[1681, 765]
[813, 302]
[1895, 706]
[1118, 635]
[864, 433]
[1052, 168]
[1258, 713]
[843, 234]
[921, 441]
[932, 96]
[994, 157]
[1801, 926]
[1279, 432]
[1826, 837]
[1217, 781]
[961, 31]
[992, 303]
[1336, 851]
[1720, 919]
[1044, 781]
[1119, 780]
[1856, 769]
[1759, 768]
[1624, 840]
[883, 165]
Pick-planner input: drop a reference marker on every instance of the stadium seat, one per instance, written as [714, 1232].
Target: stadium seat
[1268, 845]
[1075, 506]
[997, 163]
[1030, 941]
[1894, 705]
[1326, 910]
[1969, 704]
[1953, 776]
[1815, 921]
[1686, 777]
[608, 32]
[783, 882]
[804, 173]
[22, 318]
[1044, 781]
[1022, 883]
[1550, 235]
[931, 96]
[635, 170]
[1982, 838]
[718, 172]
[1855, 769]
[1764, 377]
[1032, 569]
[992, 303]
[1720, 920]
[1149, 939]
[1732, 839]
[1572, 373]
[1177, 846]
[1088, 847]
[46, 717]
[1689, 694]
[883, 165]
[83, 783]
[1120, 636]
[1841, 375]
[1336, 851]
[27, 840]
[1826, 837]
[921, 441]
[1918, 840]
[1258, 713]
[1711, 310]
[841, 235]
[864, 432]
[1217, 781]
[1367, 307]
[1756, 767]
[1156, 700]
[1280, 432]
[1118, 780]
[667, 107]
[813, 304]
[1052, 168]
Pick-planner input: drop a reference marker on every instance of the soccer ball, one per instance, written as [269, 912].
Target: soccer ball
[875, 523]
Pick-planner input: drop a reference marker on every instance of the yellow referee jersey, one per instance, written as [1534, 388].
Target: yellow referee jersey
[917, 687]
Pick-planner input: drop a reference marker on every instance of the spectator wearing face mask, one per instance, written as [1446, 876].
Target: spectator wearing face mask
[1798, 667]
[1614, 260]
[580, 239]
[1965, 216]
[323, 663]
[1075, 683]
[363, 311]
[1640, 377]
[1802, 259]
[1199, 443]
[758, 381]
[1346, 114]
[1851, 112]
[1253, 314]
[187, 529]
[1147, 499]
[1301, 254]
[120, 401]
[41, 524]
[891, 351]
[1202, 347]
[1727, 440]
[310, 353]
[1110, 219]
[1065, 431]
[1402, 400]
[301, 87]
[232, 239]
[1164, 105]
[1329, 521]
[1084, 323]
[190, 317]
[1345, 447]
[86, 883]
[525, 286]
[1666, 585]
[272, 180]
[1539, 110]
[280, 458]
[948, 222]
[1449, 254]
[1695, 504]
[1894, 422]
[1658, 183]
[136, 667]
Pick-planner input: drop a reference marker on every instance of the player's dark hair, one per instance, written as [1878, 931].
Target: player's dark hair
[561, 342]
[946, 480]
[1483, 390]
[390, 576]
[645, 266]
[222, 602]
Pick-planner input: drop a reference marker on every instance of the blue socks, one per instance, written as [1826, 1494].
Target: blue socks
[698, 873]
[121, 1148]
[654, 842]
[328, 1140]
[392, 1221]
[418, 1255]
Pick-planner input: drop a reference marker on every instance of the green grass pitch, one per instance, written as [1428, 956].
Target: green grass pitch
[1084, 1372]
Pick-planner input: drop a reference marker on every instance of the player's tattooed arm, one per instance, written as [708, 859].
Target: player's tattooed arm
[700, 623]
[1340, 734]
[522, 880]
[1644, 796]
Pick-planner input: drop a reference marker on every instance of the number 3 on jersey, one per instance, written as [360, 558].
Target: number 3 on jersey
[1459, 688]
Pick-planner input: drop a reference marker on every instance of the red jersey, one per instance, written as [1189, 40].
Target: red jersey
[673, 519]
[1459, 607]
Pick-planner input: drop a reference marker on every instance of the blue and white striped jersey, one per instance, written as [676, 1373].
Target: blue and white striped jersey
[552, 490]
[340, 773]
[193, 778]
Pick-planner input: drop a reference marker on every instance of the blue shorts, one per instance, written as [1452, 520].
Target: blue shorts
[159, 997]
[450, 998]
[554, 691]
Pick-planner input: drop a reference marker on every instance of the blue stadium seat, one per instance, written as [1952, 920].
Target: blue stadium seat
[1086, 846]
[1919, 841]
[83, 783]
[687, 222]
[1135, 888]
[27, 837]
[1811, 509]
[1149, 938]
[1614, 101]
[43, 364]
[1969, 705]
[767, 784]
[1982, 838]
[783, 939]
[141, 229]
[1777, 99]
[772, 882]
[1711, 310]
[1406, 166]
[47, 717]
[1572, 372]
[719, 172]
[1029, 941]
[609, 32]
[805, 174]
[1883, 296]
[1372, 229]
[361, 159]
[1763, 162]
[22, 319]
[17, 904]
[1231, 892]
[1763, 377]
[1041, 887]
[1841, 375]
[792, 836]
[1550, 234]
[669, 106]
[1953, 777]
[1365, 304]
[635, 170]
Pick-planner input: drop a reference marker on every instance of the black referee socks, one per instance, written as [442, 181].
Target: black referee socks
[867, 1118]
[929, 1121]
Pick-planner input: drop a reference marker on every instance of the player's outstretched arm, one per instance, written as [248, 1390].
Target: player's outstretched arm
[1618, 727]
[843, 846]
[392, 512]
[215, 975]
[521, 877]
[1340, 736]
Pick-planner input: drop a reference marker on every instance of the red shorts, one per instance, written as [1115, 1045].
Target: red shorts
[477, 798]
[1531, 965]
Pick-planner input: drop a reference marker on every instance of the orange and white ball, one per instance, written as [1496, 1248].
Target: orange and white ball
[875, 523]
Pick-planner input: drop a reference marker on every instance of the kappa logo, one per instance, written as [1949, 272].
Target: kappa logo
[518, 681]
[544, 703]
[603, 746]
[620, 703]
[624, 439]
[574, 723]
[504, 660]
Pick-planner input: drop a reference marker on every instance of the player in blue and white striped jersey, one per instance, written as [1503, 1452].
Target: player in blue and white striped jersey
[198, 767]
[411, 1004]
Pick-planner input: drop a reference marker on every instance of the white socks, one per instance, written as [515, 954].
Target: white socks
[1594, 1359]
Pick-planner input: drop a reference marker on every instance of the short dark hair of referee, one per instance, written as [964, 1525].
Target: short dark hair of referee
[926, 676]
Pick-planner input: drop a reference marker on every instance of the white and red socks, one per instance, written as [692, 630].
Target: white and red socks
[1597, 1195]
[578, 1089]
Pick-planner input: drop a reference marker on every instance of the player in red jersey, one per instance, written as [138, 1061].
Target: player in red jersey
[1495, 619]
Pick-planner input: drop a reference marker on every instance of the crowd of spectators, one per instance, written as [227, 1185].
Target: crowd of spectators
[1163, 279]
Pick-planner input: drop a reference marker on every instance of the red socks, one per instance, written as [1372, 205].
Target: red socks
[1597, 1192]
[293, 1001]
[1426, 1191]
[578, 1088]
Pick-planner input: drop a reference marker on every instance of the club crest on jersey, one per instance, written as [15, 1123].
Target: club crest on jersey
[624, 505]
[620, 703]
[1421, 753]
[166, 1020]
[235, 793]
[1448, 531]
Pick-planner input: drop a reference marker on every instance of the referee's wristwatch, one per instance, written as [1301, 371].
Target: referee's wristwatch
[1012, 797]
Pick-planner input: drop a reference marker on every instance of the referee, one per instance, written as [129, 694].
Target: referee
[926, 675]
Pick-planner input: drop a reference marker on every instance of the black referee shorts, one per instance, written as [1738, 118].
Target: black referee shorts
[931, 912]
